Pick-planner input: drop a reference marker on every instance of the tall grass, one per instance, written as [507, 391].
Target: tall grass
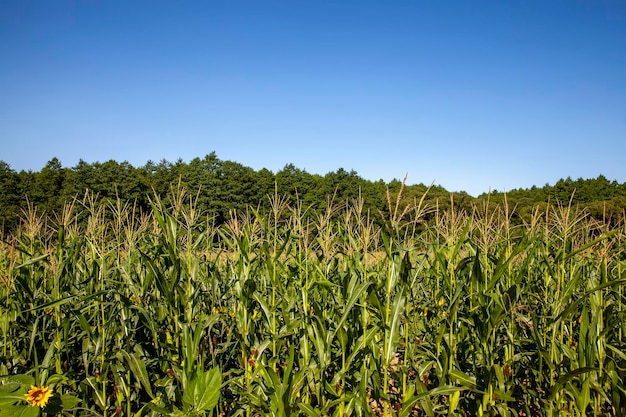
[314, 313]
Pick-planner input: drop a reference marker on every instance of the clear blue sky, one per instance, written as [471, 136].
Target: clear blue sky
[473, 95]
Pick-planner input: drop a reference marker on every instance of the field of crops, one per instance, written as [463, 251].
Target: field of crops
[301, 313]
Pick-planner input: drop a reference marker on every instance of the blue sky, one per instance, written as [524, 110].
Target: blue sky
[473, 95]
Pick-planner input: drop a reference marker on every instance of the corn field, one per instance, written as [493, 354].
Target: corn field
[295, 312]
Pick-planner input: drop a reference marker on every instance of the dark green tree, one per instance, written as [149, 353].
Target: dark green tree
[47, 188]
[10, 199]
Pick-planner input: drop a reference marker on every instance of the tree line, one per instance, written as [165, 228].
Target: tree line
[222, 187]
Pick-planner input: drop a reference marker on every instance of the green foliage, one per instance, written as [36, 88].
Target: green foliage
[13, 390]
[203, 392]
[285, 310]
[224, 186]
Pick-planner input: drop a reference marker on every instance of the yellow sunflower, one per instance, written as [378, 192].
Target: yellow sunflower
[38, 396]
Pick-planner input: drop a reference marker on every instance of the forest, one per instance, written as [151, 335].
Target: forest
[226, 186]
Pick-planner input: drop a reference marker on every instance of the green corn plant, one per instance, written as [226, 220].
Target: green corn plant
[290, 310]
